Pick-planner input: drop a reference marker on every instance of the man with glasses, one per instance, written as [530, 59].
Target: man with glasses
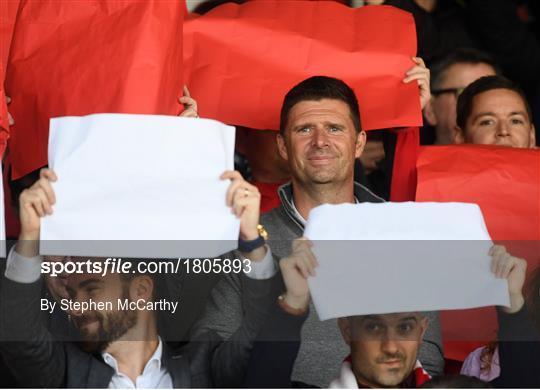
[449, 77]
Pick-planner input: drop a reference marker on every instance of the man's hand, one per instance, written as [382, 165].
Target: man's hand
[295, 270]
[505, 266]
[245, 201]
[420, 73]
[190, 105]
[34, 203]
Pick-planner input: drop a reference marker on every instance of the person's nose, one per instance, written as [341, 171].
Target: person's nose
[320, 137]
[389, 344]
[503, 129]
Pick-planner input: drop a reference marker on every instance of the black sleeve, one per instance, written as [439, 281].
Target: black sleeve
[519, 351]
[275, 351]
[34, 359]
[230, 358]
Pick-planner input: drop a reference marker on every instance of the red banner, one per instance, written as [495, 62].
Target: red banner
[505, 183]
[8, 14]
[241, 60]
[79, 58]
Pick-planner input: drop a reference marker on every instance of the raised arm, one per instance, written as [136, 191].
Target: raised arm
[30, 353]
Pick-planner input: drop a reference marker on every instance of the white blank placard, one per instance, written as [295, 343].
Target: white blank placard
[401, 257]
[140, 186]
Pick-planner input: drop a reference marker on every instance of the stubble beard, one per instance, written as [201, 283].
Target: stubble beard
[118, 323]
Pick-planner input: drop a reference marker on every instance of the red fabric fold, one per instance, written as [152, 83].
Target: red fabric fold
[79, 58]
[403, 186]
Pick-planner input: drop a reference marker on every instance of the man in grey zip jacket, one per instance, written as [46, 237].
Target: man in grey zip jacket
[320, 137]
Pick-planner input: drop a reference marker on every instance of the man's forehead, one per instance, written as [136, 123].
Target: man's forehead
[323, 107]
[85, 272]
[462, 74]
[499, 100]
[74, 259]
[389, 318]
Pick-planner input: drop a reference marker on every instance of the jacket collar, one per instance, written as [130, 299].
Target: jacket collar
[178, 367]
[99, 374]
[285, 193]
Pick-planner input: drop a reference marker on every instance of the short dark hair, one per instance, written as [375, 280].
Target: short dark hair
[317, 88]
[209, 5]
[484, 84]
[463, 55]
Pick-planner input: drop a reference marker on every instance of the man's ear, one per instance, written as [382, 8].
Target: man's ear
[142, 287]
[459, 135]
[361, 139]
[424, 323]
[429, 113]
[282, 148]
[344, 324]
[532, 139]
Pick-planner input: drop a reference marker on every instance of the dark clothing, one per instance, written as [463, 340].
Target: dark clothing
[274, 352]
[440, 31]
[511, 42]
[322, 349]
[519, 351]
[36, 360]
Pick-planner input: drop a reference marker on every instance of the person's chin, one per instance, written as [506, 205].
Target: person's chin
[322, 174]
[391, 377]
[90, 331]
[322, 179]
[90, 328]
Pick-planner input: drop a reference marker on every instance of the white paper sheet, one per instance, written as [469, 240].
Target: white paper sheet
[401, 257]
[135, 185]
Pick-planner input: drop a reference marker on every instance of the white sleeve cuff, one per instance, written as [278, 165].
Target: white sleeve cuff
[263, 269]
[22, 269]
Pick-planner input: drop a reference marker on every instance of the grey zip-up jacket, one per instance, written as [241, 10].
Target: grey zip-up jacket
[322, 348]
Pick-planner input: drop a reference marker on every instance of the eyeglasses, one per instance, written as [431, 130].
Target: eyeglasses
[455, 91]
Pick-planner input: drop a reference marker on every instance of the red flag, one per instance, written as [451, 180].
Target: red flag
[8, 14]
[241, 60]
[403, 186]
[505, 183]
[78, 58]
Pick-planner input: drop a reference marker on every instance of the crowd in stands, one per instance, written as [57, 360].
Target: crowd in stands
[478, 84]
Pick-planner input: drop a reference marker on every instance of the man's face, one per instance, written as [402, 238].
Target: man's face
[383, 347]
[99, 328]
[320, 142]
[498, 117]
[441, 111]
